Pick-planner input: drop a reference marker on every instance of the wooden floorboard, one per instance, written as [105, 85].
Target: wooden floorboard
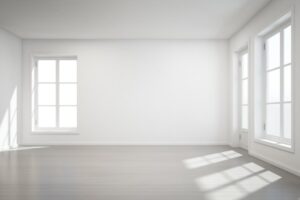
[141, 173]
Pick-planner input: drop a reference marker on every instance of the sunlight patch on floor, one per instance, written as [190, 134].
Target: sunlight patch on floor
[236, 183]
[202, 161]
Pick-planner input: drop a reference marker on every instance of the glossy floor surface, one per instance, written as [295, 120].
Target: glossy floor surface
[141, 173]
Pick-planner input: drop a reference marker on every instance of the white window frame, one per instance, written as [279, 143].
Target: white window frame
[240, 89]
[267, 137]
[56, 129]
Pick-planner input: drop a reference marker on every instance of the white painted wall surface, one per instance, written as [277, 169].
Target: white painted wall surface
[10, 76]
[141, 91]
[276, 9]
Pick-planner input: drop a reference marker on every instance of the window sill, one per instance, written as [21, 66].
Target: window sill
[55, 132]
[274, 144]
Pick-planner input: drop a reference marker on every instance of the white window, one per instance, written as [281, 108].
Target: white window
[244, 90]
[55, 94]
[243, 59]
[278, 84]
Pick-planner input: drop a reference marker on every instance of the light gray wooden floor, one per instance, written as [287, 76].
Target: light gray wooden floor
[141, 172]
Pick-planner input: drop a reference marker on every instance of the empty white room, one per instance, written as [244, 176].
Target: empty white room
[149, 100]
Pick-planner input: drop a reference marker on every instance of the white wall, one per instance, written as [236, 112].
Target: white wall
[10, 74]
[276, 9]
[141, 91]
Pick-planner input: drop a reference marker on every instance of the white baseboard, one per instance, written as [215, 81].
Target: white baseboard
[3, 148]
[124, 143]
[275, 163]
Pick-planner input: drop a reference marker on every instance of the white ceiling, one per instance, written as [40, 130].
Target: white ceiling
[127, 19]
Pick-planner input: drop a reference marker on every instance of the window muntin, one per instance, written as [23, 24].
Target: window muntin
[278, 76]
[55, 94]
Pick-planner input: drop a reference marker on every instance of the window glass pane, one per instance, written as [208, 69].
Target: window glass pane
[245, 66]
[244, 117]
[287, 45]
[68, 116]
[68, 70]
[273, 86]
[68, 94]
[33, 84]
[273, 120]
[273, 51]
[245, 92]
[46, 116]
[287, 120]
[287, 83]
[46, 70]
[46, 94]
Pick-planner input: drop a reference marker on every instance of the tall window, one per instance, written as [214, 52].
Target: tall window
[278, 76]
[55, 94]
[244, 91]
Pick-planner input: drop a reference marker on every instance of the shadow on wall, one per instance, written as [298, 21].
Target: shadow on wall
[8, 124]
